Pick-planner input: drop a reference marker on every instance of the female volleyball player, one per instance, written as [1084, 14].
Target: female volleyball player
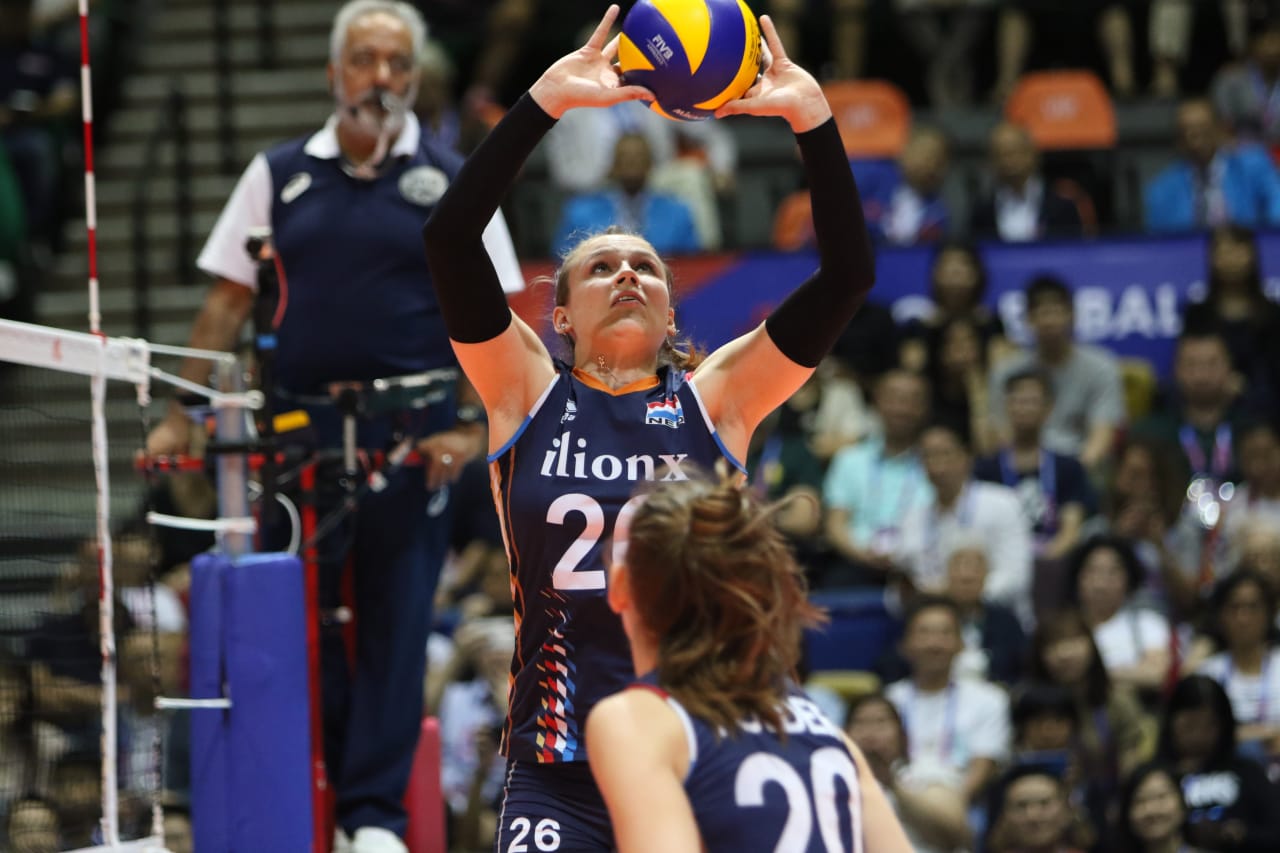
[716, 749]
[569, 442]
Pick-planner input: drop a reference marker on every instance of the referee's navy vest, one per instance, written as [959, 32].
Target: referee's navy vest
[360, 300]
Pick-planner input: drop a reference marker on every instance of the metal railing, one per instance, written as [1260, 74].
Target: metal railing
[171, 124]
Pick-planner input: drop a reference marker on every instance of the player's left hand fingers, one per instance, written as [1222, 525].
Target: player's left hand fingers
[601, 33]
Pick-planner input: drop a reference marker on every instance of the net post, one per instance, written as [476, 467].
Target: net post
[233, 486]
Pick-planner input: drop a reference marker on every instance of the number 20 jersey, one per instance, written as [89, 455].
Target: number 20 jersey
[560, 484]
[754, 790]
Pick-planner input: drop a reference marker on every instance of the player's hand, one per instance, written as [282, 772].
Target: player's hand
[784, 89]
[446, 453]
[587, 77]
[170, 437]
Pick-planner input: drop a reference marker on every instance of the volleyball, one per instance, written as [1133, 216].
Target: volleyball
[694, 55]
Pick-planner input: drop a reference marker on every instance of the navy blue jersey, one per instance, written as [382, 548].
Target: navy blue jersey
[754, 790]
[360, 302]
[560, 485]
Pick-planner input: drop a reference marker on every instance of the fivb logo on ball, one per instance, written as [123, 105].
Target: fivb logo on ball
[694, 55]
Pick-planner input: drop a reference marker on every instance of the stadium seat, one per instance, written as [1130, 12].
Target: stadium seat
[874, 116]
[1064, 110]
[860, 631]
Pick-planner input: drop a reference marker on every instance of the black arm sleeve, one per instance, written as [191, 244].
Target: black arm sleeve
[808, 322]
[467, 286]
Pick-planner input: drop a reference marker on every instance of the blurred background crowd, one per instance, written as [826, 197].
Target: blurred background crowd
[1053, 573]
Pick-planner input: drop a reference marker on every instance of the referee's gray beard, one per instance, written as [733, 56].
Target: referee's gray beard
[376, 113]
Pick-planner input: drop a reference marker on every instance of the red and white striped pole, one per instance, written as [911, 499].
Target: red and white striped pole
[106, 584]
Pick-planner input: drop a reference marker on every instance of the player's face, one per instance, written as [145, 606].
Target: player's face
[1156, 813]
[618, 289]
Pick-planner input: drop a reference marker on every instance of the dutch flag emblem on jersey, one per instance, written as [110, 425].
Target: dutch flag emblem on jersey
[666, 412]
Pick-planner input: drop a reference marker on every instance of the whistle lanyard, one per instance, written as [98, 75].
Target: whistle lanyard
[1215, 468]
[1264, 685]
[1048, 485]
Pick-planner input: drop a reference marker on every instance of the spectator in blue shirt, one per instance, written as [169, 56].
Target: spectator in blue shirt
[1216, 182]
[664, 220]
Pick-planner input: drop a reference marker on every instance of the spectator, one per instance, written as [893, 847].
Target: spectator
[1247, 664]
[846, 22]
[1020, 206]
[962, 724]
[687, 177]
[1204, 418]
[871, 486]
[957, 285]
[903, 200]
[944, 35]
[33, 827]
[1256, 498]
[1236, 308]
[178, 836]
[1020, 19]
[1216, 182]
[664, 220]
[1260, 550]
[1245, 94]
[17, 737]
[993, 637]
[1115, 734]
[1030, 814]
[37, 92]
[1102, 575]
[926, 796]
[441, 122]
[1153, 814]
[471, 709]
[75, 789]
[580, 147]
[1144, 504]
[1088, 402]
[1170, 36]
[963, 506]
[1231, 805]
[1053, 488]
[958, 374]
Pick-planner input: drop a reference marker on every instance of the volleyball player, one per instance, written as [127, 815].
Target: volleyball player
[715, 748]
[568, 443]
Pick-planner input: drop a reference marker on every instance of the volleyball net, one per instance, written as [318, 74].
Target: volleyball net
[93, 617]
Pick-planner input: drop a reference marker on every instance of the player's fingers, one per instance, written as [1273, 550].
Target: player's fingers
[611, 49]
[771, 39]
[601, 34]
[632, 93]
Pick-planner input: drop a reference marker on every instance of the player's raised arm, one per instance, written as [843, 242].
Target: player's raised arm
[504, 359]
[747, 378]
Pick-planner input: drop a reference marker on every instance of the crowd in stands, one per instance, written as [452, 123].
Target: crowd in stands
[1079, 584]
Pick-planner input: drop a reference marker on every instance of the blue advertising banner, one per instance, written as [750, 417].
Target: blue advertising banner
[1129, 293]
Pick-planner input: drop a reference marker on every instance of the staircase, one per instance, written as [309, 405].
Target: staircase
[44, 415]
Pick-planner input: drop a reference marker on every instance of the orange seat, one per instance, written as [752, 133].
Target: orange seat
[874, 116]
[1063, 110]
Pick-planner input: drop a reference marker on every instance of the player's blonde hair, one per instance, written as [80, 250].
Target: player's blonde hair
[681, 353]
[715, 581]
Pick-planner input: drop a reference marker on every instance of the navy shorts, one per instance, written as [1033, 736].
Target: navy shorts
[553, 807]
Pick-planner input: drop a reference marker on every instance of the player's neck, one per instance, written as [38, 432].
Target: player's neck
[615, 371]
